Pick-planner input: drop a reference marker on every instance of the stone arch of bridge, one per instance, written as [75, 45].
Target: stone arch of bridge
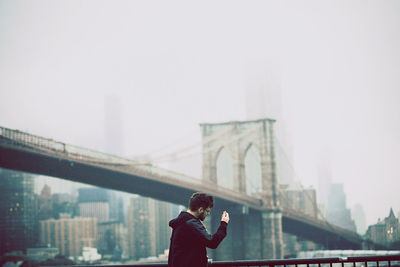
[224, 168]
[253, 171]
[248, 143]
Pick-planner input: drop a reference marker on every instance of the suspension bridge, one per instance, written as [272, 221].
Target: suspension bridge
[250, 205]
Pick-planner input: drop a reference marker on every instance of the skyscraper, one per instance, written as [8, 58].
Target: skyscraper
[164, 213]
[114, 144]
[337, 211]
[358, 214]
[148, 229]
[18, 225]
[93, 202]
[324, 172]
[116, 206]
[113, 125]
[141, 227]
[264, 100]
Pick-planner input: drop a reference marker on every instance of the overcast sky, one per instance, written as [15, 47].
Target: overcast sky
[175, 64]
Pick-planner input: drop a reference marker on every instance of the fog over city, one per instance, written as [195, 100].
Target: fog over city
[173, 65]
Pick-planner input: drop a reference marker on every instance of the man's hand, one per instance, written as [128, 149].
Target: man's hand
[225, 217]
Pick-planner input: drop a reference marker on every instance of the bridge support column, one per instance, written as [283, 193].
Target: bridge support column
[233, 246]
[272, 241]
[252, 235]
[238, 238]
[225, 249]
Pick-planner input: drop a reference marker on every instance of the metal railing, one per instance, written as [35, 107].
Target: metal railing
[371, 261]
[359, 261]
[46, 144]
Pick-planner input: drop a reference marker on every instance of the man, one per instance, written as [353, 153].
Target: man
[190, 238]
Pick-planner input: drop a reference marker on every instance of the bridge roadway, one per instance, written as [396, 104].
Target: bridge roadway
[25, 152]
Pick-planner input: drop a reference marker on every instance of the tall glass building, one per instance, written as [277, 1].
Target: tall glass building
[18, 224]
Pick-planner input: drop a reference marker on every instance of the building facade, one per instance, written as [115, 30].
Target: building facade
[148, 229]
[94, 202]
[385, 232]
[18, 217]
[141, 228]
[68, 234]
[337, 212]
[358, 214]
[111, 237]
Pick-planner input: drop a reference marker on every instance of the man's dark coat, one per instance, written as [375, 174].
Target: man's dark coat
[189, 240]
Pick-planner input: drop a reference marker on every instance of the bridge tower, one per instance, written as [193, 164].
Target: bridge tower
[239, 156]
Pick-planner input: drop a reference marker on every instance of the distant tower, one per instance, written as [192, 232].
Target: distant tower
[324, 172]
[113, 133]
[264, 100]
[113, 125]
[358, 215]
[337, 211]
[263, 91]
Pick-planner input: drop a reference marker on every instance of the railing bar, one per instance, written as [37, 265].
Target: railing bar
[320, 262]
[377, 263]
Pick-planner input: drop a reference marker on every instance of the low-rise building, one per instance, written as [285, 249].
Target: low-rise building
[386, 231]
[68, 234]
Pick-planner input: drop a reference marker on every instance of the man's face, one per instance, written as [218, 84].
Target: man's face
[203, 213]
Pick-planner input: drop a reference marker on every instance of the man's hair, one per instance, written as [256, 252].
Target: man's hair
[200, 200]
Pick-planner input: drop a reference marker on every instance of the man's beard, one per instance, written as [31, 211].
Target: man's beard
[202, 217]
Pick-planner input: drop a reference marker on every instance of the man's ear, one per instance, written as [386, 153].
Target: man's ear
[200, 210]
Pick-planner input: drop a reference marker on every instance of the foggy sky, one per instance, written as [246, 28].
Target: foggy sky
[175, 64]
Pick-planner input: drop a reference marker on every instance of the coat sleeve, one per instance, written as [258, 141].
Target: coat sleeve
[201, 234]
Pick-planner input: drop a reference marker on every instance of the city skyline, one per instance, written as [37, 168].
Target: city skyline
[61, 215]
[59, 185]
